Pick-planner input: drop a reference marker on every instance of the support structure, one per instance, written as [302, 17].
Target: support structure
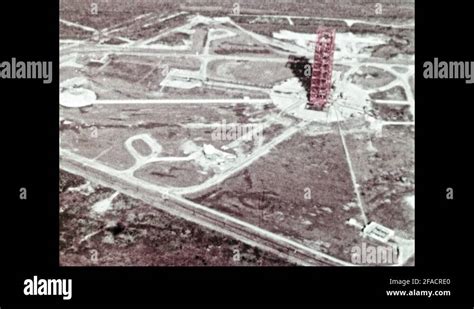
[321, 77]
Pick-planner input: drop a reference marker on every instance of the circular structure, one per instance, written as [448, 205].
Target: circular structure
[74, 95]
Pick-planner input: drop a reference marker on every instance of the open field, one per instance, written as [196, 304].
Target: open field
[176, 174]
[370, 77]
[132, 233]
[386, 179]
[302, 189]
[211, 92]
[389, 112]
[401, 10]
[238, 43]
[396, 93]
[262, 74]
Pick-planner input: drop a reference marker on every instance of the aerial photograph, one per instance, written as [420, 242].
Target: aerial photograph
[237, 133]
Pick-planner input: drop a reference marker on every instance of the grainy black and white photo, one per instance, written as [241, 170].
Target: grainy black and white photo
[236, 133]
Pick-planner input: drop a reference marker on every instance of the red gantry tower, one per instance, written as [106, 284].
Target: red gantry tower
[321, 78]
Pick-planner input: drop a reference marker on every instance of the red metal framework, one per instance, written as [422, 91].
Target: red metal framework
[321, 78]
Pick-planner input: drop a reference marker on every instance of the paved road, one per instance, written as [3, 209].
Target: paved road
[185, 101]
[349, 22]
